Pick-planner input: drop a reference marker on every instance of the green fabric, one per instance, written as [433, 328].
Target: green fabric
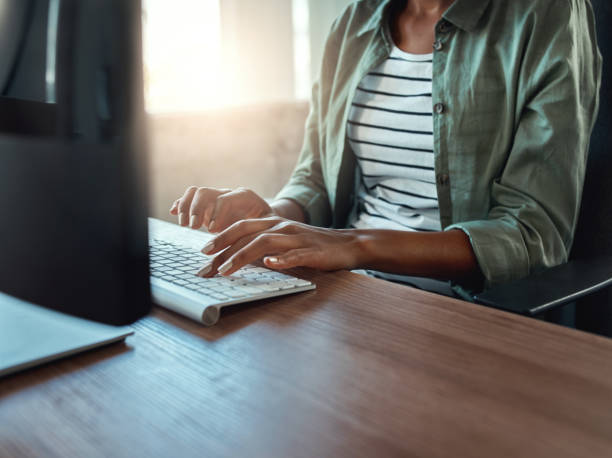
[519, 81]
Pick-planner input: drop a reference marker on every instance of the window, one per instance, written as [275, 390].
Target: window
[182, 54]
[203, 54]
[301, 49]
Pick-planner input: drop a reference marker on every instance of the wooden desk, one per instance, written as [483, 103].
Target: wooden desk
[358, 367]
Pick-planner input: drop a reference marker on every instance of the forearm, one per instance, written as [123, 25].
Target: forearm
[442, 255]
[289, 209]
[283, 245]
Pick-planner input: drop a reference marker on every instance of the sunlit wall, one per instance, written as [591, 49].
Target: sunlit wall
[205, 54]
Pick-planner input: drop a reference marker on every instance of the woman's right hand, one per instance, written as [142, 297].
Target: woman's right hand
[217, 209]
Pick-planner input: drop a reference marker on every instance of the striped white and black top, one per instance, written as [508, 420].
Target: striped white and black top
[390, 130]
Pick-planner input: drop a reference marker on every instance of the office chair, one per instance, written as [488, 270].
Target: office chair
[583, 286]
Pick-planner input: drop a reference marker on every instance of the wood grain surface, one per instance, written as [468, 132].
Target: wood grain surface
[359, 367]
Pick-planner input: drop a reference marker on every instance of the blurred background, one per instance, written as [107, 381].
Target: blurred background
[227, 84]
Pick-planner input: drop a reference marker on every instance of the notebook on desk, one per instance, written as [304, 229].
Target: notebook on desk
[31, 335]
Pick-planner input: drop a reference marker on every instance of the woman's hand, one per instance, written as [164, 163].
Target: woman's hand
[217, 209]
[282, 244]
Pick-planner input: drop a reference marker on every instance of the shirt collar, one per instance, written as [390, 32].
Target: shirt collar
[464, 14]
[376, 16]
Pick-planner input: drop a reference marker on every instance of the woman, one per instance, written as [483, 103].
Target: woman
[446, 139]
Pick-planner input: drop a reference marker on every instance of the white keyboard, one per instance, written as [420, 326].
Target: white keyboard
[174, 261]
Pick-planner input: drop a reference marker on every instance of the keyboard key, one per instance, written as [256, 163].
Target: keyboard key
[214, 294]
[248, 290]
[184, 268]
[269, 287]
[218, 289]
[259, 270]
[174, 272]
[234, 293]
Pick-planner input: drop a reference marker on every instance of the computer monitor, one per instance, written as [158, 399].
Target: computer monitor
[73, 235]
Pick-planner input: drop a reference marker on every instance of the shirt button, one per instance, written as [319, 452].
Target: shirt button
[444, 27]
[439, 108]
[438, 45]
[443, 179]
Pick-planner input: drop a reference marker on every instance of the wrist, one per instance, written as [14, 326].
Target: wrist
[363, 248]
[289, 209]
[384, 250]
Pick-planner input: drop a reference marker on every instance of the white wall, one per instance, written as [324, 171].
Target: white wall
[203, 54]
[257, 42]
[258, 36]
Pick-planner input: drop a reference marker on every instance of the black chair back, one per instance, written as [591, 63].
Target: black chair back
[594, 231]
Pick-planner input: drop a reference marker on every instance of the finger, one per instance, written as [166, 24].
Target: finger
[211, 268]
[302, 257]
[233, 206]
[202, 200]
[262, 245]
[218, 216]
[208, 212]
[207, 216]
[185, 204]
[238, 231]
[174, 207]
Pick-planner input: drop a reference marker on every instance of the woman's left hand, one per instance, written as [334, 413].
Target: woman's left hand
[282, 244]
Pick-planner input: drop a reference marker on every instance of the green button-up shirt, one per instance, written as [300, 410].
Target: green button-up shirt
[515, 86]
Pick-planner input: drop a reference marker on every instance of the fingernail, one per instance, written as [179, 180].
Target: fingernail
[273, 260]
[225, 267]
[211, 226]
[208, 247]
[204, 270]
[182, 217]
[192, 222]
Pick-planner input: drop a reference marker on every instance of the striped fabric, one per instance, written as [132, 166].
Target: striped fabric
[390, 130]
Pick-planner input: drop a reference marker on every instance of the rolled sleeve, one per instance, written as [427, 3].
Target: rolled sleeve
[314, 204]
[536, 200]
